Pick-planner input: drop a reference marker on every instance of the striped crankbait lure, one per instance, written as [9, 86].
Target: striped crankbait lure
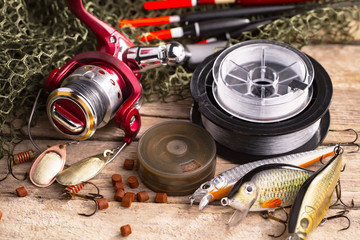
[219, 186]
[313, 199]
[264, 188]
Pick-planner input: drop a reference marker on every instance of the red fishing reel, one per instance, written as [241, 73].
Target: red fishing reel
[94, 87]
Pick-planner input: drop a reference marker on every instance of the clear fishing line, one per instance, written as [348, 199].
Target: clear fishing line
[262, 98]
[262, 81]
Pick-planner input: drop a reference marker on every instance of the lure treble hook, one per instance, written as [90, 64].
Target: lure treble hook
[267, 215]
[69, 194]
[351, 143]
[338, 198]
[340, 214]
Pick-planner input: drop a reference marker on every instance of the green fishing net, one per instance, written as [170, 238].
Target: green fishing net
[40, 35]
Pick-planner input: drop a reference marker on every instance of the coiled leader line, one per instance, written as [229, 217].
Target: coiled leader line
[240, 140]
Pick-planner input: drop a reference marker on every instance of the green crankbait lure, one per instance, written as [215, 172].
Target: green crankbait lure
[264, 188]
[313, 199]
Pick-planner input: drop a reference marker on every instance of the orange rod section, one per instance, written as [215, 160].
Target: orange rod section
[162, 34]
[145, 21]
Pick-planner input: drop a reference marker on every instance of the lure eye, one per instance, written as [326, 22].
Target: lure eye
[249, 189]
[304, 223]
[205, 186]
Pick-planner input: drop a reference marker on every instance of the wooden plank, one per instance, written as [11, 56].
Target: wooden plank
[55, 219]
[341, 62]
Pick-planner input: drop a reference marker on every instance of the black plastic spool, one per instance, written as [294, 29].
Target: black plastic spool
[206, 111]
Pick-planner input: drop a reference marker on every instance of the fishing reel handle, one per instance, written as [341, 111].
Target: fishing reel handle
[143, 58]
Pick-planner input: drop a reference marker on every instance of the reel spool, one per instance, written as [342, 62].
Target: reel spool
[176, 157]
[260, 99]
[90, 90]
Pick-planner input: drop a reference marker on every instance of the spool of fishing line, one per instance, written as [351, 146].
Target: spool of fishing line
[262, 98]
[176, 157]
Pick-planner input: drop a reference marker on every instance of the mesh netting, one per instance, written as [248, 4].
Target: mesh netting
[40, 35]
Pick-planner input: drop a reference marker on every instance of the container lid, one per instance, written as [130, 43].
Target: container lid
[176, 157]
[262, 81]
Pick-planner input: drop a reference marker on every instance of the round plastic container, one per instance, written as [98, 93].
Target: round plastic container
[176, 157]
[262, 81]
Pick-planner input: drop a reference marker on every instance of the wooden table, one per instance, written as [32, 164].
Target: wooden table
[45, 214]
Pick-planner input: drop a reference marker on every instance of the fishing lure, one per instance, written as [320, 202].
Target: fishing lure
[314, 197]
[84, 169]
[264, 188]
[220, 185]
[87, 168]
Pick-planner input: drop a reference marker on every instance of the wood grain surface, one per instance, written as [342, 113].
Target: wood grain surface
[46, 214]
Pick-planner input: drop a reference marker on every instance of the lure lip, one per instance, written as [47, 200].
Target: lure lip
[58, 149]
[205, 201]
[198, 195]
[239, 214]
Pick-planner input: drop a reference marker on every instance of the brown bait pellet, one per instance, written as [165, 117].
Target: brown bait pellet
[102, 203]
[119, 195]
[21, 191]
[126, 201]
[133, 182]
[142, 196]
[129, 164]
[125, 230]
[116, 178]
[161, 198]
[132, 195]
[119, 185]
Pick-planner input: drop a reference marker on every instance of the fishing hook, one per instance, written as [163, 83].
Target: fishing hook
[343, 168]
[351, 143]
[338, 195]
[10, 163]
[340, 214]
[267, 215]
[91, 196]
